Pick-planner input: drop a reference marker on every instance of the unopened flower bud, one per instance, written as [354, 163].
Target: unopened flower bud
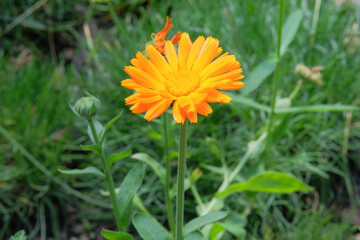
[87, 106]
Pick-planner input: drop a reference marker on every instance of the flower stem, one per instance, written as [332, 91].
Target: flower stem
[277, 79]
[170, 214]
[108, 178]
[180, 182]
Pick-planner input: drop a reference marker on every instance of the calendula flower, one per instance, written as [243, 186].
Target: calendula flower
[188, 78]
[159, 38]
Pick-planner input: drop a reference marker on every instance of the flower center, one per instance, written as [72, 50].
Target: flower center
[182, 83]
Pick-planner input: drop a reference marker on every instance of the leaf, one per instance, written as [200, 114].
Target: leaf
[103, 131]
[194, 236]
[118, 156]
[290, 28]
[30, 22]
[155, 165]
[201, 221]
[98, 128]
[258, 75]
[247, 102]
[270, 182]
[317, 108]
[111, 235]
[216, 231]
[89, 170]
[215, 147]
[20, 235]
[127, 191]
[94, 148]
[147, 228]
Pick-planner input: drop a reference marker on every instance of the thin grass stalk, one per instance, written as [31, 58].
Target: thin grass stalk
[276, 80]
[180, 182]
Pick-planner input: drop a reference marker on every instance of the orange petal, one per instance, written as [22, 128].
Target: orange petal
[179, 116]
[197, 97]
[194, 52]
[220, 66]
[140, 107]
[192, 116]
[158, 109]
[142, 78]
[148, 67]
[207, 54]
[149, 99]
[132, 99]
[129, 83]
[203, 108]
[171, 56]
[216, 96]
[184, 50]
[158, 60]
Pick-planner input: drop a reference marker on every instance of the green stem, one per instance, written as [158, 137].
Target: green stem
[168, 176]
[276, 80]
[108, 178]
[180, 182]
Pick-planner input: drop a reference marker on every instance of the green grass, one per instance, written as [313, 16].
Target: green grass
[34, 110]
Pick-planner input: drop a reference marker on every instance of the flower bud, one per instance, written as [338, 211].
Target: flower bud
[87, 106]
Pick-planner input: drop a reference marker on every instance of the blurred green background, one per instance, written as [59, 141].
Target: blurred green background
[52, 51]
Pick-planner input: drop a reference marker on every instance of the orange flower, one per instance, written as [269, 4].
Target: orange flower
[190, 79]
[159, 41]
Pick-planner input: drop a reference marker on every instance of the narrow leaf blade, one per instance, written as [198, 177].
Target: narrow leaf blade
[89, 170]
[290, 28]
[111, 235]
[317, 108]
[194, 236]
[270, 182]
[147, 228]
[118, 156]
[127, 191]
[201, 221]
[155, 165]
[255, 78]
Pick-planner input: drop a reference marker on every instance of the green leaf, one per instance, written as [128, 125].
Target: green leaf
[290, 28]
[111, 235]
[89, 170]
[215, 147]
[235, 224]
[155, 165]
[94, 148]
[217, 231]
[20, 235]
[258, 75]
[270, 182]
[118, 156]
[201, 221]
[247, 102]
[147, 228]
[127, 191]
[103, 131]
[194, 236]
[317, 108]
[30, 22]
[98, 129]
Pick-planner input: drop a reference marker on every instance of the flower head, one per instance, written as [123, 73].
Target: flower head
[188, 79]
[87, 106]
[159, 38]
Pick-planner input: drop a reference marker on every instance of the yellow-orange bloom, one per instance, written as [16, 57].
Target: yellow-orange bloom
[188, 78]
[159, 38]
